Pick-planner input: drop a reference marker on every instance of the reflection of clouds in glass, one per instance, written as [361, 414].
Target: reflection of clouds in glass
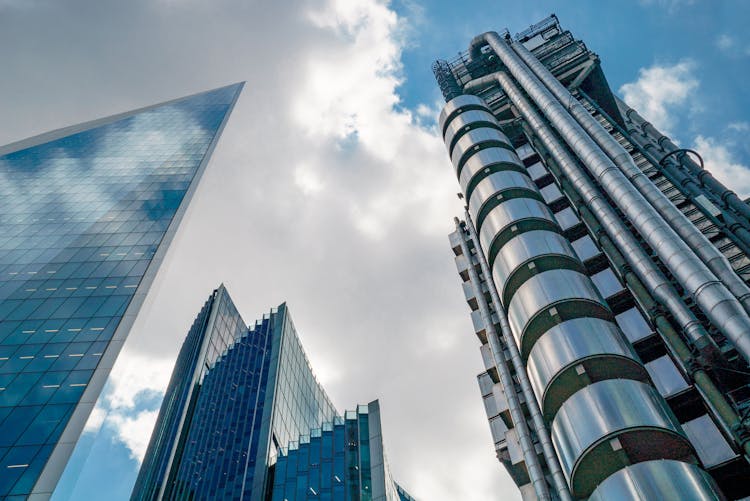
[84, 189]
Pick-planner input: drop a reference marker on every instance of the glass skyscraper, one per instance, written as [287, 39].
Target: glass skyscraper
[86, 215]
[607, 274]
[243, 417]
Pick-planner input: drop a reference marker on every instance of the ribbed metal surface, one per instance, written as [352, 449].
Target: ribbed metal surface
[663, 480]
[607, 425]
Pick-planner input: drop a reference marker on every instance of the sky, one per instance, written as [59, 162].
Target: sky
[330, 188]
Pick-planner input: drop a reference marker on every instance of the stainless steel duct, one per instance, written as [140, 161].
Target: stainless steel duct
[704, 249]
[506, 380]
[647, 271]
[554, 309]
[719, 304]
[703, 176]
[542, 433]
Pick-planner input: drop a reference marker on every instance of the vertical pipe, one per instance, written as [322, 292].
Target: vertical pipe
[704, 249]
[506, 380]
[703, 176]
[657, 283]
[721, 307]
[542, 433]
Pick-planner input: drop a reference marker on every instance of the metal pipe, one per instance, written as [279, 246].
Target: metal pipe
[719, 305]
[704, 249]
[703, 176]
[681, 353]
[732, 224]
[536, 474]
[657, 283]
[542, 433]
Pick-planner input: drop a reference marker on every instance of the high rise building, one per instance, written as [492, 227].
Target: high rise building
[244, 417]
[607, 276]
[86, 215]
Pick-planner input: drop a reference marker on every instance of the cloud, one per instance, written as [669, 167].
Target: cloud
[660, 90]
[722, 164]
[725, 42]
[324, 191]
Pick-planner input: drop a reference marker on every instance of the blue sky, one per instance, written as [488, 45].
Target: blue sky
[331, 190]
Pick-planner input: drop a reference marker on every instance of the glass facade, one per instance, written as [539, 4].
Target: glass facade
[341, 461]
[600, 263]
[86, 214]
[244, 403]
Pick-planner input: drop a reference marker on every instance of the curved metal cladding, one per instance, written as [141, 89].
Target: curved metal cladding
[703, 176]
[610, 424]
[646, 270]
[665, 480]
[706, 251]
[563, 328]
[719, 304]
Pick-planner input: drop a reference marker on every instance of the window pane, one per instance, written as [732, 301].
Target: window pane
[566, 218]
[665, 375]
[551, 193]
[536, 170]
[708, 441]
[525, 151]
[585, 247]
[633, 324]
[606, 282]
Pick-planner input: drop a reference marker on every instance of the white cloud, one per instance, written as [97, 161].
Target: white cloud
[724, 167]
[364, 261]
[725, 42]
[739, 126]
[307, 180]
[659, 90]
[134, 431]
[95, 420]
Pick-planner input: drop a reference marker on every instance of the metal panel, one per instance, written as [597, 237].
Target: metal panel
[465, 122]
[495, 183]
[486, 159]
[510, 212]
[665, 480]
[610, 424]
[455, 106]
[469, 143]
[525, 247]
[576, 353]
[539, 293]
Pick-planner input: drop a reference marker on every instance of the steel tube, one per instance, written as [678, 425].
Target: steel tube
[704, 249]
[721, 307]
[516, 413]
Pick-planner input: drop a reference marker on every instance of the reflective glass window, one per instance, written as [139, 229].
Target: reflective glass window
[633, 324]
[551, 192]
[710, 444]
[567, 218]
[525, 151]
[606, 282]
[537, 170]
[585, 248]
[665, 376]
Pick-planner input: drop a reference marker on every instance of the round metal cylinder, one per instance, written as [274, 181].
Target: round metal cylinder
[465, 122]
[548, 299]
[516, 259]
[611, 424]
[665, 480]
[457, 106]
[576, 353]
[475, 140]
[483, 163]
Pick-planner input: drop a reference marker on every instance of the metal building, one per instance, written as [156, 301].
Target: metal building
[607, 275]
[245, 418]
[87, 214]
